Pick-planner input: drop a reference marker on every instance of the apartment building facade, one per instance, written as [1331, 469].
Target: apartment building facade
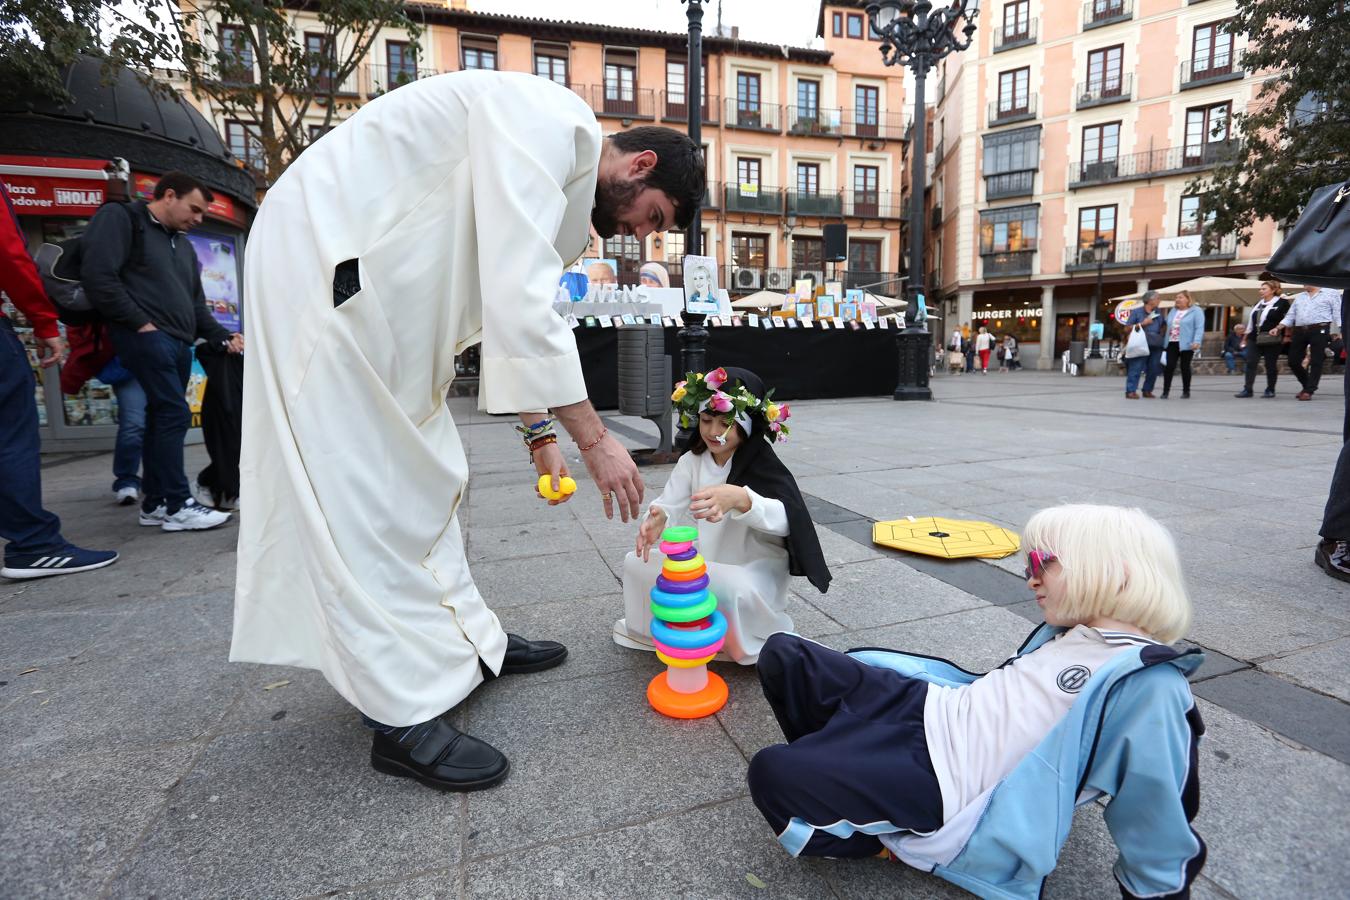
[795, 138]
[1065, 143]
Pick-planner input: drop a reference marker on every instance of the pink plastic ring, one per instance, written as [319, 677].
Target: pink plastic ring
[696, 653]
[669, 549]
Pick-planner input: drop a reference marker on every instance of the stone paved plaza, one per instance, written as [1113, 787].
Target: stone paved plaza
[138, 762]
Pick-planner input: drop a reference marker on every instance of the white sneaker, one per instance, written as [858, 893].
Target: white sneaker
[127, 495]
[156, 518]
[202, 495]
[192, 516]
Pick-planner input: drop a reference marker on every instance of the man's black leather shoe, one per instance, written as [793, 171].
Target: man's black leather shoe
[524, 656]
[440, 756]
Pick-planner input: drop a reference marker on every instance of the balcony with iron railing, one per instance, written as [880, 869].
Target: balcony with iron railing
[615, 101]
[232, 70]
[1152, 164]
[870, 123]
[815, 203]
[1007, 110]
[346, 86]
[803, 120]
[1013, 35]
[753, 116]
[1143, 252]
[1214, 70]
[1010, 184]
[1008, 262]
[873, 204]
[676, 108]
[1100, 13]
[381, 78]
[1104, 91]
[752, 198]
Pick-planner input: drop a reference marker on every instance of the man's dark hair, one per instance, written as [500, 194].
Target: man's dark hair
[182, 184]
[679, 171]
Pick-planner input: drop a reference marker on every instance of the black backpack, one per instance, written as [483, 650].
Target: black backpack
[59, 266]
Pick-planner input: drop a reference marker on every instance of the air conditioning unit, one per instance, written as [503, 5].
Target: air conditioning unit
[817, 277]
[778, 280]
[746, 279]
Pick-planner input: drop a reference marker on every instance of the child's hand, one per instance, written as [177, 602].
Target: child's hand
[649, 532]
[713, 503]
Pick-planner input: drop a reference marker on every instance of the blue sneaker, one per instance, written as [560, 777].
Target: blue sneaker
[67, 560]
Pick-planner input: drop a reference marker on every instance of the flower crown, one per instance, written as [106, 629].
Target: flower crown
[699, 393]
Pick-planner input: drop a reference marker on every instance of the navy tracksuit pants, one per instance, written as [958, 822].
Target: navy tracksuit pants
[856, 763]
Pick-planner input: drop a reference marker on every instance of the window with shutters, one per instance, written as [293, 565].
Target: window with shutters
[477, 52]
[1104, 71]
[749, 250]
[1014, 92]
[1206, 133]
[808, 254]
[550, 61]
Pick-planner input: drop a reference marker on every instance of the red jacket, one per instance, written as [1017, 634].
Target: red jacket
[91, 348]
[19, 275]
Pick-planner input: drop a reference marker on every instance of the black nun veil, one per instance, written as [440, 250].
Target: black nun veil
[756, 466]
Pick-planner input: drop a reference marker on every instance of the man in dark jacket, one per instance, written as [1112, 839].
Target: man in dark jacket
[141, 273]
[36, 548]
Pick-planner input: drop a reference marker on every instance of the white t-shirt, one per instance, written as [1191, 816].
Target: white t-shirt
[984, 341]
[978, 733]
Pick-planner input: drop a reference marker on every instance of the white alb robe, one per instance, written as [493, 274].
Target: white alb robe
[747, 561]
[462, 196]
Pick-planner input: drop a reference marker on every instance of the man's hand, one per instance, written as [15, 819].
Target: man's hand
[650, 532]
[147, 328]
[548, 460]
[616, 475]
[235, 344]
[714, 503]
[54, 353]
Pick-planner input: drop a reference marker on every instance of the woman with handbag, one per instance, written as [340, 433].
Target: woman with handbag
[1185, 328]
[1263, 340]
[984, 344]
[1147, 330]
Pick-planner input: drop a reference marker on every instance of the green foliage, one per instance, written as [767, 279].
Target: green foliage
[266, 76]
[1296, 137]
[38, 38]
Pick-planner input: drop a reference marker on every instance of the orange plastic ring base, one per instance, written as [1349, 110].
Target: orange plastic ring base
[687, 706]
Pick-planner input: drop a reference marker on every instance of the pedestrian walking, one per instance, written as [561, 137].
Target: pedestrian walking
[1263, 339]
[142, 275]
[1185, 329]
[1312, 318]
[1153, 326]
[1007, 356]
[984, 345]
[351, 556]
[35, 547]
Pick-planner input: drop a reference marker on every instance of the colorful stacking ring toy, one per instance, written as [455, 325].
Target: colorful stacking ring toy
[687, 630]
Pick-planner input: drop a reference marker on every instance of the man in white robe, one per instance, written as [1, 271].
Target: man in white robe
[439, 216]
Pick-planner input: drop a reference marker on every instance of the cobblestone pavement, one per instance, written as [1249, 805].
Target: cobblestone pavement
[140, 762]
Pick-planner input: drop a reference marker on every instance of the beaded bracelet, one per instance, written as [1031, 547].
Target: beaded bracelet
[603, 431]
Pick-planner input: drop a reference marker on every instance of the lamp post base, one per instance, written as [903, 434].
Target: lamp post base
[693, 358]
[915, 346]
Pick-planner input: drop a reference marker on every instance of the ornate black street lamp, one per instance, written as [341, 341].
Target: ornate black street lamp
[916, 35]
[1101, 248]
[693, 336]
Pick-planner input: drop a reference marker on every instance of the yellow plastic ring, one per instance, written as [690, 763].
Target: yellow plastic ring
[682, 565]
[684, 663]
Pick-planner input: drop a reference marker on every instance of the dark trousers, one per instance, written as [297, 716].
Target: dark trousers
[1317, 338]
[1336, 517]
[1176, 355]
[1270, 353]
[23, 522]
[161, 364]
[856, 752]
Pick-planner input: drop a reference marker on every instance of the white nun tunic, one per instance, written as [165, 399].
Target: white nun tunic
[462, 196]
[747, 559]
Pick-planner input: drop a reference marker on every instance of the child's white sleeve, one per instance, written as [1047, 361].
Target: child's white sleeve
[678, 493]
[765, 515]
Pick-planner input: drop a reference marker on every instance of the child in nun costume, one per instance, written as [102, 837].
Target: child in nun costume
[753, 526]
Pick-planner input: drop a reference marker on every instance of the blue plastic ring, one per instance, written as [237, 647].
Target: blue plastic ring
[682, 587]
[691, 640]
[677, 601]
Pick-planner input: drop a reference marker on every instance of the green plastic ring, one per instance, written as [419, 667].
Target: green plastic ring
[686, 614]
[680, 534]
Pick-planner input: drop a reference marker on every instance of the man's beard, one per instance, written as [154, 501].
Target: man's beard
[612, 199]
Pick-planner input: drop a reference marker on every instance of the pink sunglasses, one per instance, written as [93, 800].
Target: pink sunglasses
[1037, 560]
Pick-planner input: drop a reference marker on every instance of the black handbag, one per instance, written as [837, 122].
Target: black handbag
[1317, 250]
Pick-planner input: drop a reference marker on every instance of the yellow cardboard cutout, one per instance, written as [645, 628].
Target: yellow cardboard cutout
[947, 538]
